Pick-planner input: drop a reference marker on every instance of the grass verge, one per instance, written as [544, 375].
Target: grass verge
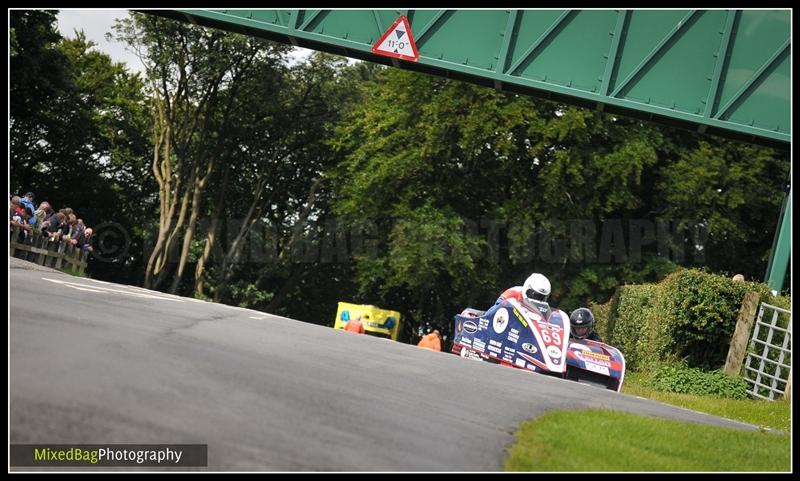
[601, 440]
[771, 414]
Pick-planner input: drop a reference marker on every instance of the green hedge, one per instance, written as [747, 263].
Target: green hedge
[683, 379]
[633, 324]
[690, 315]
[703, 309]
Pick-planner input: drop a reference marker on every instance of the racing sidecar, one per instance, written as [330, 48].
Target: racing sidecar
[512, 334]
[535, 337]
[597, 363]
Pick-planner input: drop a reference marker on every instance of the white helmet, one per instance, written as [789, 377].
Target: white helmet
[536, 288]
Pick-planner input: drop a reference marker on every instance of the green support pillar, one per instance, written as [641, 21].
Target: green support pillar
[781, 248]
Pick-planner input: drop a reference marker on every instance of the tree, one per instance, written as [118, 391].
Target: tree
[469, 190]
[79, 134]
[736, 191]
[197, 80]
[280, 203]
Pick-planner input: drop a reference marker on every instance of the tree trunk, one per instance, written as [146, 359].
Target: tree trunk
[211, 235]
[189, 233]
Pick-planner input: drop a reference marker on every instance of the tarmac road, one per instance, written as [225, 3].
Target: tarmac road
[93, 362]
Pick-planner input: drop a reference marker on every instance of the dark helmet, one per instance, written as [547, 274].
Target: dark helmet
[427, 328]
[581, 322]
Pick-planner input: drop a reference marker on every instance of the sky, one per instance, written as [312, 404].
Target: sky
[96, 22]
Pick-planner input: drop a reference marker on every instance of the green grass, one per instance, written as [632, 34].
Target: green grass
[601, 440]
[74, 272]
[771, 414]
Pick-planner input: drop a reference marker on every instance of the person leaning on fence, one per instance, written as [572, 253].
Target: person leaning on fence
[42, 214]
[20, 220]
[85, 243]
[13, 206]
[27, 201]
[54, 224]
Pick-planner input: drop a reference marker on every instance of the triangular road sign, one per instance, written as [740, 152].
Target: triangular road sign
[397, 42]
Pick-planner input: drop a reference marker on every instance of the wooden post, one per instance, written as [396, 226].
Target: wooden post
[43, 241]
[14, 233]
[59, 255]
[787, 393]
[741, 336]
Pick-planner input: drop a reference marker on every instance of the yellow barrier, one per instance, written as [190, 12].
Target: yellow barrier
[376, 321]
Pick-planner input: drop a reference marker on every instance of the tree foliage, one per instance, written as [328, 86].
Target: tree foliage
[471, 189]
[79, 134]
[289, 187]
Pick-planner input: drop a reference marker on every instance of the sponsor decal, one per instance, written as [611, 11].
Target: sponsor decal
[532, 360]
[590, 366]
[500, 321]
[553, 327]
[492, 342]
[511, 351]
[529, 347]
[519, 362]
[597, 362]
[513, 336]
[554, 351]
[519, 316]
[494, 349]
[478, 345]
[483, 324]
[594, 358]
[469, 354]
[594, 355]
[470, 327]
[458, 328]
[465, 341]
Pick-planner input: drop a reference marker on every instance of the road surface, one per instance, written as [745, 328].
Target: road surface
[93, 362]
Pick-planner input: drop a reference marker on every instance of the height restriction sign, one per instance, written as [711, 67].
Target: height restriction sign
[397, 42]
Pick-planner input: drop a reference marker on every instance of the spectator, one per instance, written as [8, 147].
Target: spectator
[54, 224]
[27, 201]
[355, 325]
[20, 219]
[738, 278]
[65, 228]
[85, 243]
[43, 213]
[13, 205]
[431, 341]
[74, 229]
[76, 234]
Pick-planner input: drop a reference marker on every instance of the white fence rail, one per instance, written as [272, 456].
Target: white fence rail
[769, 360]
